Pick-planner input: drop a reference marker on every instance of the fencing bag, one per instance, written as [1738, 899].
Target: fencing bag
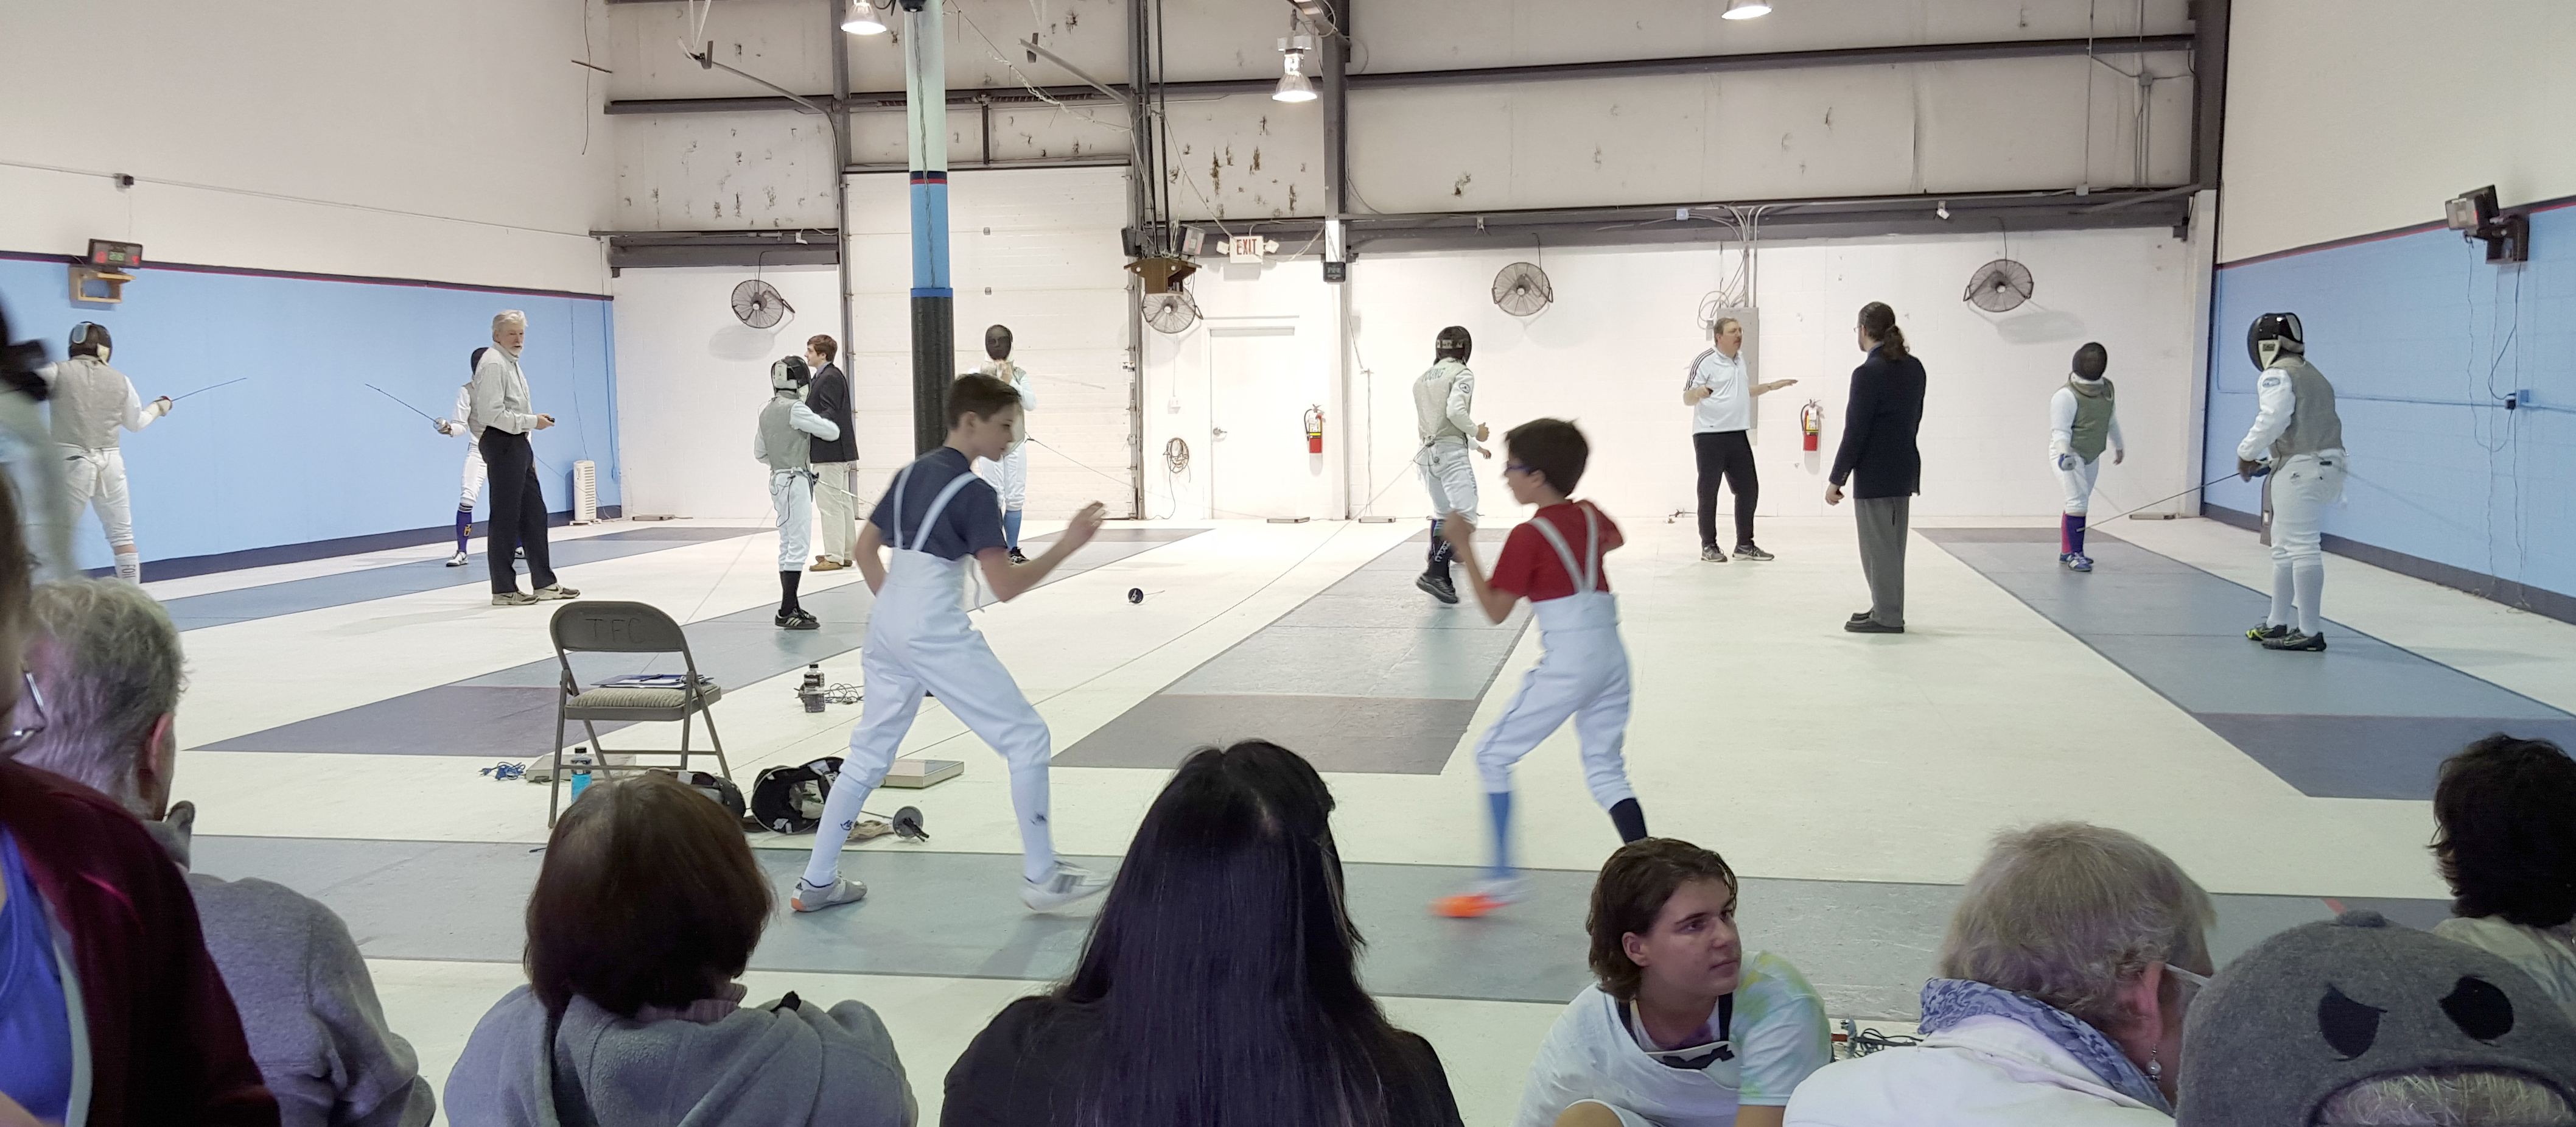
[789, 800]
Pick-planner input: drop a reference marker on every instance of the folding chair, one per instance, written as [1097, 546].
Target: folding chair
[598, 626]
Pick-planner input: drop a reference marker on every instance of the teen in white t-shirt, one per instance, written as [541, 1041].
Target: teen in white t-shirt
[1683, 1029]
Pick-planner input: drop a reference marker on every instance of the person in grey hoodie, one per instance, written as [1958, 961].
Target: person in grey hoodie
[108, 663]
[648, 906]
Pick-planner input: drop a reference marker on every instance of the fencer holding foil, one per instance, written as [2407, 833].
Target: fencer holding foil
[781, 443]
[1010, 476]
[90, 402]
[2298, 435]
[2082, 422]
[1444, 403]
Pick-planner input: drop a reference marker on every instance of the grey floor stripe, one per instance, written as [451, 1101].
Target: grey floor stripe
[1370, 674]
[510, 712]
[1867, 946]
[2365, 719]
[222, 608]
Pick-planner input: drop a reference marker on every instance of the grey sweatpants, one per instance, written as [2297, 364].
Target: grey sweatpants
[1882, 554]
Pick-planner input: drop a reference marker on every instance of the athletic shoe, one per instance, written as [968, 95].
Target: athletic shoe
[1860, 616]
[797, 619]
[1710, 554]
[1871, 626]
[519, 553]
[1017, 558]
[1064, 886]
[808, 898]
[2265, 632]
[1437, 587]
[513, 599]
[827, 563]
[558, 591]
[2076, 561]
[1483, 898]
[457, 560]
[1751, 552]
[2297, 642]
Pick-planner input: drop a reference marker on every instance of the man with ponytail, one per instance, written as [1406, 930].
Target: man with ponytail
[1879, 457]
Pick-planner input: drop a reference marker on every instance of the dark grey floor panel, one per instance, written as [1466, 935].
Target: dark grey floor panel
[1868, 947]
[2365, 719]
[297, 595]
[1374, 734]
[736, 650]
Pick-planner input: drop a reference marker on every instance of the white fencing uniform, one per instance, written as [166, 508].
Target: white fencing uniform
[1582, 675]
[2299, 434]
[474, 471]
[2066, 436]
[779, 443]
[919, 639]
[90, 402]
[1010, 476]
[1443, 400]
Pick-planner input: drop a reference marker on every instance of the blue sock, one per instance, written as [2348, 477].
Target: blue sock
[1501, 805]
[2075, 532]
[464, 526]
[1011, 528]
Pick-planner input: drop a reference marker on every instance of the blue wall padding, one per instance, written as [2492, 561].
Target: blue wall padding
[302, 451]
[2424, 341]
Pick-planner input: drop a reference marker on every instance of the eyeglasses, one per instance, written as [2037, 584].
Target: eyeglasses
[2197, 982]
[19, 738]
[1515, 467]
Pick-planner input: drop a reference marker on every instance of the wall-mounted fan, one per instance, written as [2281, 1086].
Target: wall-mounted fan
[1521, 290]
[760, 305]
[1999, 286]
[1172, 312]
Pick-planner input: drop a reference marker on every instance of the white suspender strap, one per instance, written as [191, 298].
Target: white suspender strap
[901, 479]
[1587, 575]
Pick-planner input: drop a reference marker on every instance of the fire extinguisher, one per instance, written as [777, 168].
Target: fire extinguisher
[1315, 429]
[1811, 419]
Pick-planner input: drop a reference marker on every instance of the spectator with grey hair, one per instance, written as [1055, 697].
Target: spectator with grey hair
[501, 417]
[2069, 963]
[106, 659]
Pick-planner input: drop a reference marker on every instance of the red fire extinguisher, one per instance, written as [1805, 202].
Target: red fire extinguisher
[1811, 419]
[1315, 429]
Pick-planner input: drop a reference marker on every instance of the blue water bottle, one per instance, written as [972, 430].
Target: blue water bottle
[579, 762]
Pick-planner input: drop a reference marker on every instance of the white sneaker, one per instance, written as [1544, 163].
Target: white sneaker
[808, 898]
[1066, 885]
[457, 560]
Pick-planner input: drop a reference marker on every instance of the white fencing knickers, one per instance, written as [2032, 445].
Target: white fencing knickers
[97, 477]
[919, 639]
[791, 497]
[1449, 475]
[1582, 675]
[2301, 488]
[474, 474]
[2078, 484]
[1008, 477]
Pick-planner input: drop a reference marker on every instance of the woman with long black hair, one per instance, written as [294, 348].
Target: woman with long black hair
[1218, 988]
[1879, 456]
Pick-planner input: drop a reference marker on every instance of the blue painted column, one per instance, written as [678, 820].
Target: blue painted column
[934, 314]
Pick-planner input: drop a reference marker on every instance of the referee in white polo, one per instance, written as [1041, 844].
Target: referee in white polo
[1720, 395]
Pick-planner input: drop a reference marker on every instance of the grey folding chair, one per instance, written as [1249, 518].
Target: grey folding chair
[599, 626]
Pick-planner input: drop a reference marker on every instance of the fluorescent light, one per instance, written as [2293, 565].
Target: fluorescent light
[1746, 9]
[863, 20]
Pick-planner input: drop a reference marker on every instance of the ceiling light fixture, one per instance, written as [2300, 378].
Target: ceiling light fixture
[1294, 85]
[863, 20]
[1745, 9]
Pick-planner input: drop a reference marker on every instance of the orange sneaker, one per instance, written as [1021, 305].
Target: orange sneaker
[1483, 898]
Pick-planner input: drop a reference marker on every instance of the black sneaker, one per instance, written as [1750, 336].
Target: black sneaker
[1017, 558]
[1710, 554]
[2297, 642]
[1866, 625]
[1860, 616]
[797, 619]
[1437, 588]
[2265, 632]
[1751, 552]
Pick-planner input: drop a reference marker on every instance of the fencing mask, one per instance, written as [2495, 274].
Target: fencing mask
[789, 374]
[89, 338]
[997, 342]
[2091, 361]
[1453, 343]
[2273, 334]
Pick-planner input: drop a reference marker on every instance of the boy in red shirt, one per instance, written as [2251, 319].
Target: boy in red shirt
[1554, 561]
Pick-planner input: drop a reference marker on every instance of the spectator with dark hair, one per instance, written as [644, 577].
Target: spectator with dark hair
[1218, 985]
[1682, 1028]
[1879, 456]
[96, 924]
[2506, 812]
[108, 664]
[2070, 961]
[646, 910]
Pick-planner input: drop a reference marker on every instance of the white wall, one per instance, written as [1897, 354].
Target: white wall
[1609, 354]
[1036, 250]
[2370, 113]
[442, 141]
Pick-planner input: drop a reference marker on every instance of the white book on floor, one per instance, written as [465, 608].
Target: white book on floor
[917, 773]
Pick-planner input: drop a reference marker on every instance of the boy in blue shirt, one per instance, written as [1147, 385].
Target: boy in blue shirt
[937, 515]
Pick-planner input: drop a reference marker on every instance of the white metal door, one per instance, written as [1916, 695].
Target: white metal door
[1260, 384]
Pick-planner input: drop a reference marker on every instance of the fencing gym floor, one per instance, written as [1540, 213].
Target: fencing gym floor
[339, 714]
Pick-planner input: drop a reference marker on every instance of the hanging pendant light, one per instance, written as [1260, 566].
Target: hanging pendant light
[1294, 86]
[863, 20]
[1745, 9]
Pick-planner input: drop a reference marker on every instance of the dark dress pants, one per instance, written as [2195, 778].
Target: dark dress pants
[518, 511]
